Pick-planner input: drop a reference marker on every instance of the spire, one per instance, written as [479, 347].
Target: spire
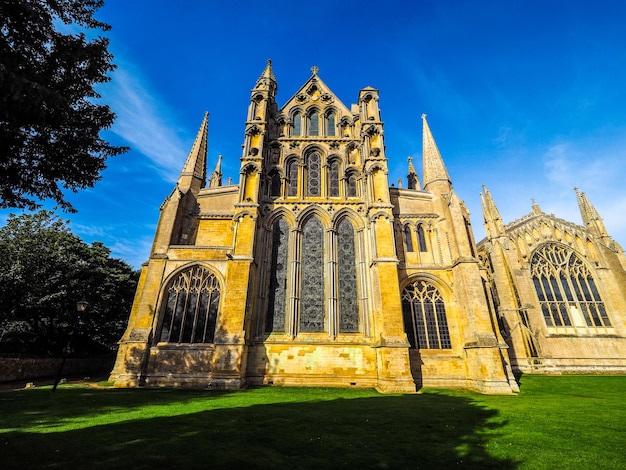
[267, 80]
[194, 172]
[591, 217]
[434, 168]
[491, 215]
[414, 182]
[216, 177]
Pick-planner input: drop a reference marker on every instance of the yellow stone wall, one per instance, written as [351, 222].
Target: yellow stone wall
[227, 230]
[534, 346]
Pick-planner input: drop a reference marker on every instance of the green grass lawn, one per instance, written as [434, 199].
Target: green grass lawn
[555, 422]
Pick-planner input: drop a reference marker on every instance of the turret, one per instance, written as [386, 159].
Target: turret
[216, 177]
[491, 215]
[413, 180]
[260, 130]
[591, 217]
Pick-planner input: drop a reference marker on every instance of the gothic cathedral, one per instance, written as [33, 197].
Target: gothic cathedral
[313, 271]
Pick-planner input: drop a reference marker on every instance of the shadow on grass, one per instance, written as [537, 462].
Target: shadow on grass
[360, 430]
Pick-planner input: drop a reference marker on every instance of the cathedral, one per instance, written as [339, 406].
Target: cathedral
[314, 271]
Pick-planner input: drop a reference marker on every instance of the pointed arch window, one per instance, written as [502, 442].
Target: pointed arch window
[351, 183]
[275, 183]
[408, 236]
[421, 239]
[191, 306]
[313, 174]
[566, 289]
[314, 123]
[424, 315]
[333, 179]
[297, 123]
[346, 279]
[275, 321]
[330, 124]
[312, 279]
[292, 178]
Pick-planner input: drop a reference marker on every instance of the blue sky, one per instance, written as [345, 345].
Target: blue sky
[526, 97]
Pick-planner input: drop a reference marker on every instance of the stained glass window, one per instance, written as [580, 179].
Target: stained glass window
[292, 172]
[313, 174]
[275, 320]
[346, 279]
[297, 124]
[330, 124]
[424, 315]
[421, 238]
[313, 123]
[191, 305]
[409, 238]
[312, 282]
[333, 179]
[351, 185]
[566, 289]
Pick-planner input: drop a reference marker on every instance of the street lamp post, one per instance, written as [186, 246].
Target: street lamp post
[81, 307]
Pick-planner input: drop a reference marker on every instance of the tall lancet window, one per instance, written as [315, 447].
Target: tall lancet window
[346, 279]
[330, 124]
[275, 183]
[190, 310]
[421, 238]
[297, 123]
[566, 289]
[351, 185]
[312, 283]
[333, 179]
[313, 174]
[314, 123]
[275, 320]
[292, 178]
[424, 315]
[408, 237]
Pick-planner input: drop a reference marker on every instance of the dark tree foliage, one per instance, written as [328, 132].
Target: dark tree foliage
[44, 271]
[49, 124]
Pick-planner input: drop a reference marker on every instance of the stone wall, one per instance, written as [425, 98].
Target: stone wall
[20, 368]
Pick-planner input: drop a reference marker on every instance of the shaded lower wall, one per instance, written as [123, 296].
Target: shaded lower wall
[19, 368]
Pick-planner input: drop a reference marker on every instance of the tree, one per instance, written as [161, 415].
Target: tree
[44, 270]
[49, 124]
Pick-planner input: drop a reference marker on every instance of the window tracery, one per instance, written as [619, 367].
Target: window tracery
[333, 179]
[292, 178]
[275, 321]
[191, 307]
[346, 279]
[566, 289]
[312, 282]
[424, 315]
[313, 174]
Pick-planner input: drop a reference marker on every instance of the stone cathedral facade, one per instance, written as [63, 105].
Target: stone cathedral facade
[312, 270]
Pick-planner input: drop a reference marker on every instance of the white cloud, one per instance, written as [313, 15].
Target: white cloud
[141, 124]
